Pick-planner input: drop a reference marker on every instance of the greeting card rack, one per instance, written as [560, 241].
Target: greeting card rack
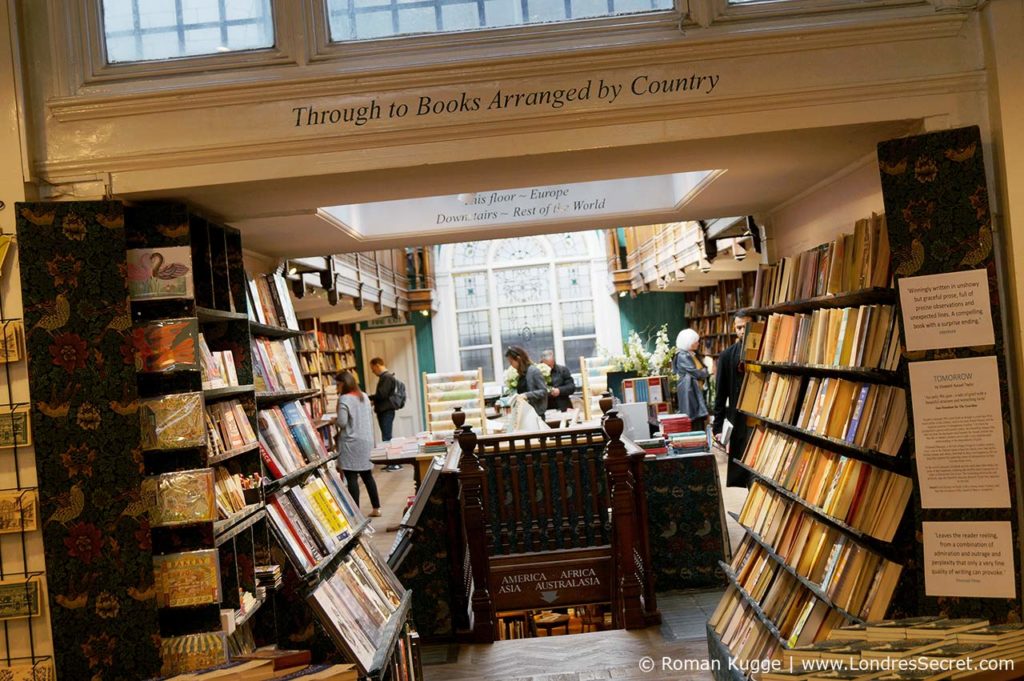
[22, 585]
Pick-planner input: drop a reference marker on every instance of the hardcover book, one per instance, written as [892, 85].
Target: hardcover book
[192, 652]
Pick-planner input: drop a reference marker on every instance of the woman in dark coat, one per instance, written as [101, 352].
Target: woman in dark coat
[531, 381]
[690, 369]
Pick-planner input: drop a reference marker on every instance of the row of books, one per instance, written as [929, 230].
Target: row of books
[270, 301]
[856, 579]
[737, 624]
[288, 440]
[217, 367]
[712, 326]
[865, 497]
[313, 518]
[327, 364]
[261, 670]
[863, 414]
[326, 342]
[275, 366]
[865, 336]
[645, 389]
[228, 427]
[357, 601]
[230, 490]
[850, 262]
[930, 648]
[705, 302]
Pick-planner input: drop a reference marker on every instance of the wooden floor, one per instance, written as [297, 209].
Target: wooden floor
[580, 657]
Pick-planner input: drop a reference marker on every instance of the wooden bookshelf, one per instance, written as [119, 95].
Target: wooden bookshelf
[796, 453]
[594, 372]
[709, 311]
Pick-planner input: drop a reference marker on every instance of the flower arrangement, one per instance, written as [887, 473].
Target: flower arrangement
[511, 377]
[635, 356]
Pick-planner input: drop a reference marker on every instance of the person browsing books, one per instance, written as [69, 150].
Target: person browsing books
[562, 385]
[355, 439]
[688, 365]
[729, 380]
[385, 401]
[531, 383]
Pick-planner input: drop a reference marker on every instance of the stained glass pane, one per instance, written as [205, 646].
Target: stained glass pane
[528, 326]
[522, 285]
[478, 358]
[470, 254]
[519, 248]
[578, 318]
[570, 243]
[576, 348]
[474, 328]
[574, 281]
[470, 290]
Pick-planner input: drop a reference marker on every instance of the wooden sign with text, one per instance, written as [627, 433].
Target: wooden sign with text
[551, 579]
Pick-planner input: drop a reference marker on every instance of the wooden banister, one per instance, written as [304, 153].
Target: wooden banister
[472, 478]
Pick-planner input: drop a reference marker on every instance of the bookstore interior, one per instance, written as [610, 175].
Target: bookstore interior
[684, 339]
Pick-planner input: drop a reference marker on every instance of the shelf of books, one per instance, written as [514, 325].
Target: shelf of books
[442, 393]
[325, 349]
[825, 519]
[709, 311]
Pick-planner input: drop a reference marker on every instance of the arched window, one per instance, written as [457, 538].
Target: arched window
[541, 292]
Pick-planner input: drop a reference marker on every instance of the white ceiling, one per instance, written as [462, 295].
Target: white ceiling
[282, 218]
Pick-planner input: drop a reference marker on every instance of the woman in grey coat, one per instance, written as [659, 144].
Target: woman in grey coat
[355, 439]
[692, 376]
[531, 381]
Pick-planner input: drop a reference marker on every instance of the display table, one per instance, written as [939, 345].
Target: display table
[402, 450]
[686, 518]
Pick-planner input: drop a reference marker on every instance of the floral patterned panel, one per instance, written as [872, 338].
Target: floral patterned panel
[685, 521]
[86, 433]
[938, 214]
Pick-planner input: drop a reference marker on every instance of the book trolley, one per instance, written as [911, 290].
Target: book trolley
[442, 393]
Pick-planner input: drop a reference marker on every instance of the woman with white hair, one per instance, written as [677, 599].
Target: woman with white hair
[692, 373]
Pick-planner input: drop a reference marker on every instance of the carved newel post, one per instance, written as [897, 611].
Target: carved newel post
[471, 477]
[605, 402]
[627, 607]
[458, 418]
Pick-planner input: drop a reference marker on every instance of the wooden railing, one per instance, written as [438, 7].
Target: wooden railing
[554, 503]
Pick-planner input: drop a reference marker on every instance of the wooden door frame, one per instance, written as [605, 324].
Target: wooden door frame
[411, 382]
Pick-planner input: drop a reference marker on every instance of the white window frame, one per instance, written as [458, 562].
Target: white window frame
[607, 330]
[724, 10]
[85, 18]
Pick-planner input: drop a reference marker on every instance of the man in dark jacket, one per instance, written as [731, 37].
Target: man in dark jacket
[562, 385]
[730, 380]
[382, 403]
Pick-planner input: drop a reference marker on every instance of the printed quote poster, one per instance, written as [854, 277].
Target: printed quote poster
[971, 559]
[958, 433]
[949, 310]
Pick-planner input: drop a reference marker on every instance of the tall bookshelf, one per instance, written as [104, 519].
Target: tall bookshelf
[325, 349]
[189, 299]
[826, 528]
[709, 311]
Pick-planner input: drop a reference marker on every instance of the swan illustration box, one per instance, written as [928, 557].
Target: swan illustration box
[160, 273]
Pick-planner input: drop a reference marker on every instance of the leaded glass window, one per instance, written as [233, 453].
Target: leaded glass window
[536, 292]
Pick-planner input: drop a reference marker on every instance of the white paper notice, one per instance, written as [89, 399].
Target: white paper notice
[973, 559]
[946, 310]
[958, 433]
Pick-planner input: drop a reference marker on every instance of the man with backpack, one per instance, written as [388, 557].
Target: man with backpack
[387, 398]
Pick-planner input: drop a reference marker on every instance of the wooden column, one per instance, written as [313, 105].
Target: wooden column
[471, 475]
[627, 590]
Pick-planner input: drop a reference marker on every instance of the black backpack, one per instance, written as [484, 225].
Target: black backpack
[398, 396]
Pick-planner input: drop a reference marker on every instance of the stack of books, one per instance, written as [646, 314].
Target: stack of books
[931, 648]
[269, 576]
[653, 446]
[433, 447]
[687, 443]
[674, 423]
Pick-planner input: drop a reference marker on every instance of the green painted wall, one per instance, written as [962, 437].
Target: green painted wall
[648, 311]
